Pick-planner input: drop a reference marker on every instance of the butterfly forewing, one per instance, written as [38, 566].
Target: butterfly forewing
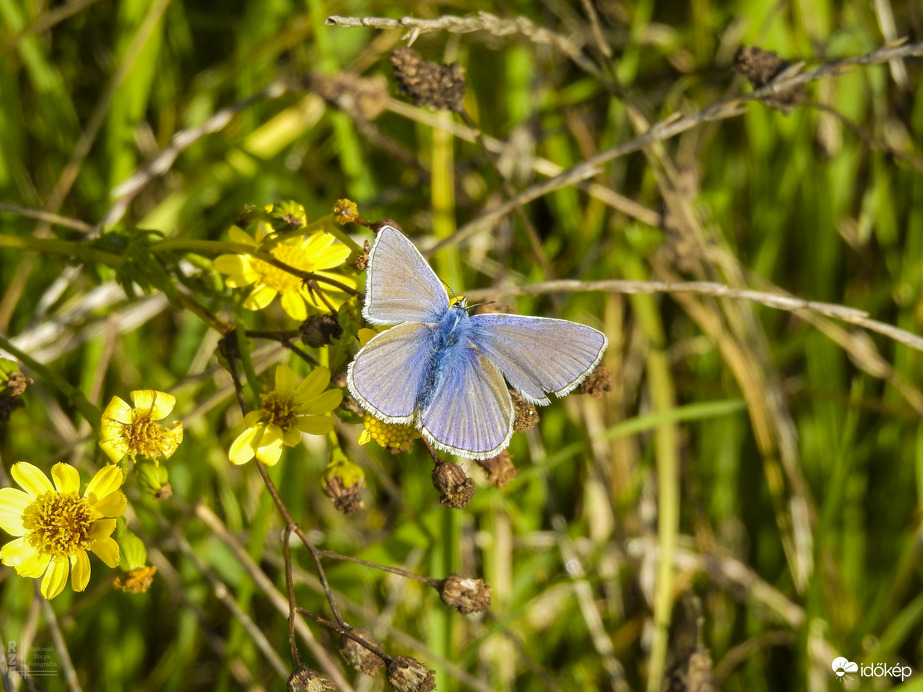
[539, 355]
[401, 286]
[470, 413]
[388, 375]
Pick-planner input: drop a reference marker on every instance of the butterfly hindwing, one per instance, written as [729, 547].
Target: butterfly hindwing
[401, 286]
[470, 412]
[539, 355]
[388, 375]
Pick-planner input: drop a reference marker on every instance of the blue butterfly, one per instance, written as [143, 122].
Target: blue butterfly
[442, 370]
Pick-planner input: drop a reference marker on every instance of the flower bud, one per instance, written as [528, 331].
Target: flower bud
[132, 549]
[287, 216]
[306, 680]
[343, 482]
[345, 211]
[455, 488]
[358, 656]
[466, 594]
[597, 383]
[154, 479]
[526, 415]
[319, 330]
[499, 469]
[409, 675]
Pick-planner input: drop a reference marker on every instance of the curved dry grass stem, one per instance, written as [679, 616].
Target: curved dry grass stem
[778, 301]
[482, 21]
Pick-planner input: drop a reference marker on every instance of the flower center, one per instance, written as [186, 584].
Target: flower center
[279, 279]
[278, 409]
[145, 437]
[58, 524]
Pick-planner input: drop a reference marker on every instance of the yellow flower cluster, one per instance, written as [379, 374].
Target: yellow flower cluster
[285, 412]
[134, 431]
[386, 434]
[55, 526]
[316, 253]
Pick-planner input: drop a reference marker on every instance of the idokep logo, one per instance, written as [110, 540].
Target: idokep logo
[842, 667]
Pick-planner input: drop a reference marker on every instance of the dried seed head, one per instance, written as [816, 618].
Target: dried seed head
[358, 656]
[409, 675]
[597, 383]
[306, 680]
[427, 83]
[761, 67]
[526, 415]
[18, 382]
[499, 469]
[466, 594]
[758, 65]
[320, 330]
[455, 488]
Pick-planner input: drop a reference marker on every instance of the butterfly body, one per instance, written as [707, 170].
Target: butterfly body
[444, 371]
[451, 337]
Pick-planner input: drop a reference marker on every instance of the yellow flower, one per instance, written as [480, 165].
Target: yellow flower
[137, 580]
[134, 431]
[285, 412]
[55, 526]
[315, 253]
[389, 435]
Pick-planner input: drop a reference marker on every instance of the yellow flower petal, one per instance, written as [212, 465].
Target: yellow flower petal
[293, 306]
[112, 505]
[238, 268]
[34, 566]
[159, 404]
[13, 503]
[55, 577]
[253, 419]
[316, 242]
[260, 298]
[101, 530]
[239, 235]
[118, 410]
[314, 383]
[324, 402]
[271, 434]
[366, 335]
[315, 425]
[66, 478]
[285, 379]
[292, 436]
[171, 439]
[331, 257]
[241, 450]
[115, 448]
[15, 553]
[107, 480]
[269, 454]
[31, 479]
[80, 570]
[108, 551]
